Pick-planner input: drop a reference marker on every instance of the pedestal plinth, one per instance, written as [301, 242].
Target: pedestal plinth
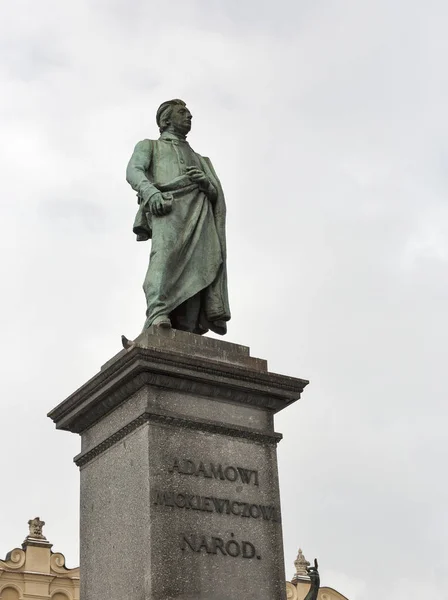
[179, 482]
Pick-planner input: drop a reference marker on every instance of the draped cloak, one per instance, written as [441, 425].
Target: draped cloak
[188, 252]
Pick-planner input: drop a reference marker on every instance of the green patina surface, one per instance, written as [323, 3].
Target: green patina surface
[182, 210]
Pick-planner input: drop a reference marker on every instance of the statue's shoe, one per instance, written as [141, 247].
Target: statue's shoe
[162, 321]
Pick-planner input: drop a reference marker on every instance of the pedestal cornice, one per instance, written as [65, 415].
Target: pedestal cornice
[169, 369]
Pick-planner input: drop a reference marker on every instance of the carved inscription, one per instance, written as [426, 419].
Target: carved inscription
[211, 470]
[222, 506]
[208, 544]
[216, 545]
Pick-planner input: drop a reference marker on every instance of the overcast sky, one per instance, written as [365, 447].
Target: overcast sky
[326, 121]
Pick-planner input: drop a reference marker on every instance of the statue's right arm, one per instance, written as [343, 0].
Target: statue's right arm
[136, 172]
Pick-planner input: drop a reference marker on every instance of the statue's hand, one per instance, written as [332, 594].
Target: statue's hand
[199, 177]
[161, 204]
[314, 576]
[313, 573]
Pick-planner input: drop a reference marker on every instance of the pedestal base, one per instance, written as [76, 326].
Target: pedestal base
[179, 483]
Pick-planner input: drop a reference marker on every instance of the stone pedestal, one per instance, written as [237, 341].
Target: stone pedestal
[179, 482]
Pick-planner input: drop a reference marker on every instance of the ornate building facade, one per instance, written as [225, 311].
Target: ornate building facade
[35, 572]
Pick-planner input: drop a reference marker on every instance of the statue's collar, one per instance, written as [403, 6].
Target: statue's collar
[169, 136]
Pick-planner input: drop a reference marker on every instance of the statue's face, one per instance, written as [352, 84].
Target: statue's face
[181, 119]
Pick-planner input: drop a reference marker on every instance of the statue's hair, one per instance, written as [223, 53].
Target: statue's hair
[164, 113]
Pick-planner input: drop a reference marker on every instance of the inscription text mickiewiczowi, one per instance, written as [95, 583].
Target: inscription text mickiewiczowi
[211, 470]
[222, 506]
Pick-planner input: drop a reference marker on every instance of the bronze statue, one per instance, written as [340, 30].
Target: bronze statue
[313, 573]
[182, 210]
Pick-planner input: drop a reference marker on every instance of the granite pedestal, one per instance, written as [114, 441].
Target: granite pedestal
[179, 482]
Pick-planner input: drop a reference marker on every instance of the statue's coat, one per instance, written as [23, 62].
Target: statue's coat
[188, 253]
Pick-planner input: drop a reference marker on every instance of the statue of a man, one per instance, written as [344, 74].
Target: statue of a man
[182, 209]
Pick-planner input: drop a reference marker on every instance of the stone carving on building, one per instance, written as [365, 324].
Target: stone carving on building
[301, 565]
[57, 563]
[35, 536]
[36, 526]
[291, 591]
[14, 560]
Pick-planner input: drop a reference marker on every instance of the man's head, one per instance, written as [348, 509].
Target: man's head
[175, 116]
